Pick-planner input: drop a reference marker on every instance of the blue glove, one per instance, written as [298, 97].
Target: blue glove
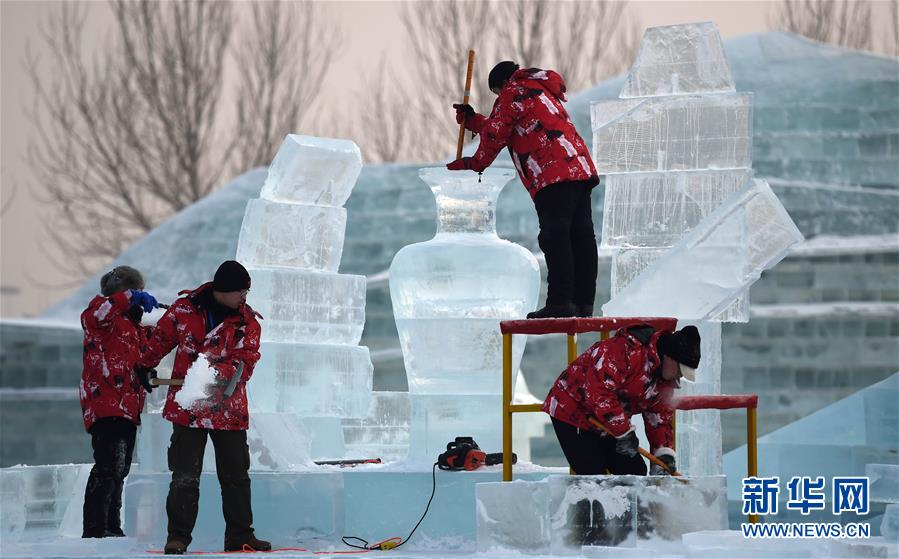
[144, 300]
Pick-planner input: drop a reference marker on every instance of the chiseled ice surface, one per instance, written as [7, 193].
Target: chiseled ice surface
[679, 59]
[715, 262]
[311, 170]
[677, 134]
[300, 236]
[654, 210]
[312, 379]
[383, 432]
[308, 307]
[884, 480]
[276, 441]
[628, 264]
[14, 497]
[513, 515]
[622, 510]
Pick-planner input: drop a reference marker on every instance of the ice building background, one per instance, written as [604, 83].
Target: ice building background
[824, 322]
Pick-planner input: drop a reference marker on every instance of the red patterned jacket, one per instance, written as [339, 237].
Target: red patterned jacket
[112, 345]
[614, 380]
[529, 118]
[235, 339]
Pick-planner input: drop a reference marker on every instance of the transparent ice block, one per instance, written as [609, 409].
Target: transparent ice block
[291, 236]
[884, 480]
[679, 59]
[438, 419]
[715, 262]
[384, 431]
[315, 307]
[513, 515]
[889, 528]
[310, 170]
[12, 513]
[677, 134]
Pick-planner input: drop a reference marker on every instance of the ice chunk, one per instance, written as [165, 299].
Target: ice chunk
[12, 513]
[384, 431]
[513, 515]
[679, 59]
[310, 170]
[884, 479]
[276, 441]
[301, 306]
[889, 528]
[48, 491]
[662, 502]
[312, 380]
[438, 419]
[713, 264]
[297, 506]
[677, 134]
[654, 210]
[291, 236]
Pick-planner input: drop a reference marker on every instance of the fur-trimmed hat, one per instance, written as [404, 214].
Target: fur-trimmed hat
[119, 279]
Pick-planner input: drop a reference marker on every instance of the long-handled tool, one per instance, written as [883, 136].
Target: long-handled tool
[465, 98]
[642, 451]
[229, 388]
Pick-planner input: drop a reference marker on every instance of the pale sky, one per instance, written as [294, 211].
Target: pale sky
[31, 283]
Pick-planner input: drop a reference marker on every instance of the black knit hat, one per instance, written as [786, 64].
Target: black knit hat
[119, 279]
[231, 276]
[500, 73]
[682, 346]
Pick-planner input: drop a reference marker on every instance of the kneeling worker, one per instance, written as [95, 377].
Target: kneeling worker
[635, 371]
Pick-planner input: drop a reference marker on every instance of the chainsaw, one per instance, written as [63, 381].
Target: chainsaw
[465, 454]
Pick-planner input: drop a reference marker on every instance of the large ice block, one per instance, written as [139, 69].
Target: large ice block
[714, 263]
[45, 492]
[276, 441]
[654, 210]
[477, 369]
[889, 528]
[315, 307]
[291, 236]
[12, 512]
[310, 170]
[312, 379]
[383, 432]
[438, 419]
[628, 264]
[513, 515]
[884, 479]
[677, 134]
[620, 510]
[679, 59]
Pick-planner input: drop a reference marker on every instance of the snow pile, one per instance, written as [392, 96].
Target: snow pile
[197, 384]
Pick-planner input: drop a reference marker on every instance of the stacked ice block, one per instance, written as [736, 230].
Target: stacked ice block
[291, 241]
[690, 229]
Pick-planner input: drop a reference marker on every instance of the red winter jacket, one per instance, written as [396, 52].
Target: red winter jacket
[235, 339]
[112, 345]
[529, 118]
[614, 380]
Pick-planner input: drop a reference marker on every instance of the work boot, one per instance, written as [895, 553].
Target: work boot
[175, 547]
[583, 311]
[564, 310]
[251, 542]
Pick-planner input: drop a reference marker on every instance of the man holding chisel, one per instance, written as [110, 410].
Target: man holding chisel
[212, 323]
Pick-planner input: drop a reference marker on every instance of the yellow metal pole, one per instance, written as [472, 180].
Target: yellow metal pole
[507, 402]
[604, 335]
[752, 457]
[572, 347]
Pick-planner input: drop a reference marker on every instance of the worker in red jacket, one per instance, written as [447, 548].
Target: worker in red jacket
[111, 393]
[211, 324]
[554, 165]
[633, 372]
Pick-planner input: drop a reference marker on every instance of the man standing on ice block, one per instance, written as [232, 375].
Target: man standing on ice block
[213, 328]
[111, 393]
[635, 371]
[554, 164]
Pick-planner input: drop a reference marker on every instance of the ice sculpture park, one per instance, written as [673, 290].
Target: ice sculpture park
[676, 139]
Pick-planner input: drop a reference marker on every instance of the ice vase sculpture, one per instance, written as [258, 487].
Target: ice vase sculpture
[449, 295]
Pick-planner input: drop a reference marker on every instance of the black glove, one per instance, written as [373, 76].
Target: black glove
[463, 111]
[627, 444]
[143, 376]
[669, 460]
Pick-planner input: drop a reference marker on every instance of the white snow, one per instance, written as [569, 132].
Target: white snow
[197, 383]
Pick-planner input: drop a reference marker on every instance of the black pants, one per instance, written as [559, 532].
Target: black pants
[112, 439]
[232, 463]
[589, 453]
[568, 242]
